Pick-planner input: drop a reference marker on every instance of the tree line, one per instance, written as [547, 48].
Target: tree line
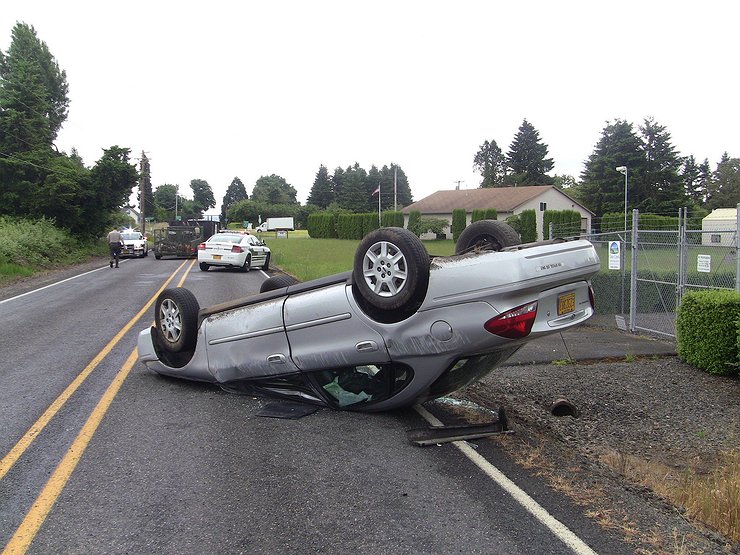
[659, 180]
[38, 181]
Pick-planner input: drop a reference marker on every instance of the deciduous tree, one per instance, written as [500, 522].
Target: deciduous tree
[273, 189]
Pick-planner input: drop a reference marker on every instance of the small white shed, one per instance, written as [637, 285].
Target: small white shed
[720, 228]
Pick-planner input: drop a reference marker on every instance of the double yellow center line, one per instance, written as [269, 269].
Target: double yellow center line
[31, 524]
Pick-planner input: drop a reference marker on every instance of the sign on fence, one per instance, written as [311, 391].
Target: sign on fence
[615, 255]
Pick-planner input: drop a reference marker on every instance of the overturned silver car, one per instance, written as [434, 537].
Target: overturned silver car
[402, 327]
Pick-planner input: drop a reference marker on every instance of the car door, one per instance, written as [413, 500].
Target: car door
[324, 332]
[257, 250]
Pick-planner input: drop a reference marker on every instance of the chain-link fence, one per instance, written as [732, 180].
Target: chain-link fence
[645, 272]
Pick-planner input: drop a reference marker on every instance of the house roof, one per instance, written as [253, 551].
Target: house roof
[503, 199]
[722, 214]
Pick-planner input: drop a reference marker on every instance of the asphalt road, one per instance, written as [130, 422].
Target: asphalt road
[102, 456]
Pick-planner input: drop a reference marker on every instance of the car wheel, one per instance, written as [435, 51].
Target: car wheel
[266, 265]
[247, 263]
[486, 235]
[277, 282]
[176, 319]
[391, 269]
[203, 266]
[157, 255]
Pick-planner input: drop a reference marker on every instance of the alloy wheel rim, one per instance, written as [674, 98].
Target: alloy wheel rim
[385, 269]
[170, 320]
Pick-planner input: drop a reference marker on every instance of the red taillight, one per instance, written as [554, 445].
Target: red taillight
[514, 324]
[202, 247]
[237, 248]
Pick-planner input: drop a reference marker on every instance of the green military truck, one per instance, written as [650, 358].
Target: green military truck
[181, 239]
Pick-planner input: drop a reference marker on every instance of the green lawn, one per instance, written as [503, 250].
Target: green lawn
[307, 258]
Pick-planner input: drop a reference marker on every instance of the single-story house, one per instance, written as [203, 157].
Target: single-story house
[719, 227]
[132, 213]
[508, 201]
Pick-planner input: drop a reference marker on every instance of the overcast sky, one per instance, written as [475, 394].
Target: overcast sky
[213, 90]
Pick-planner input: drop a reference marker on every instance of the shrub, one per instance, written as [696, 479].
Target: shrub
[392, 219]
[478, 214]
[707, 330]
[528, 225]
[414, 217]
[431, 225]
[459, 221]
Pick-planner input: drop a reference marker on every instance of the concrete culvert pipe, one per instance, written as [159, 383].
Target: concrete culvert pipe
[563, 407]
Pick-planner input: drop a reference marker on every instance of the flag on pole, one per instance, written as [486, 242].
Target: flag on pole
[377, 190]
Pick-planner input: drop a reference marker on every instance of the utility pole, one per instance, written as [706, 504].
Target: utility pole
[145, 188]
[458, 184]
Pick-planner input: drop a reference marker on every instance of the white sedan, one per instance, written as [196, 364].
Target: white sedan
[234, 249]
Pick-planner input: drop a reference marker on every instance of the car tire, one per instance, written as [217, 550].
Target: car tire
[176, 319]
[157, 255]
[247, 264]
[391, 271]
[266, 265]
[203, 266]
[277, 282]
[486, 235]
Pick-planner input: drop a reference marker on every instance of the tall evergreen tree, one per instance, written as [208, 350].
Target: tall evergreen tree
[396, 191]
[696, 179]
[337, 183]
[322, 193]
[724, 190]
[354, 195]
[146, 196]
[491, 164]
[527, 158]
[234, 193]
[602, 186]
[659, 188]
[33, 93]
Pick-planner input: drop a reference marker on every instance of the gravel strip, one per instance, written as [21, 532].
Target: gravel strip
[659, 410]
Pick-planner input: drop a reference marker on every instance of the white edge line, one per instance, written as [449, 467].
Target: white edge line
[560, 530]
[51, 285]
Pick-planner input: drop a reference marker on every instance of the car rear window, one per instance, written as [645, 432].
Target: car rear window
[226, 238]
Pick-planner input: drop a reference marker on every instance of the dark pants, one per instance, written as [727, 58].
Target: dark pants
[115, 253]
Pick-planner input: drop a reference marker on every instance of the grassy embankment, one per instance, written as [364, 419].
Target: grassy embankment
[306, 258]
[30, 246]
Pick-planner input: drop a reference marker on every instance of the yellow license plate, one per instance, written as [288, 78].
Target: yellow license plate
[217, 257]
[566, 303]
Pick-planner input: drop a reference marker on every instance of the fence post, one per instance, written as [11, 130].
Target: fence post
[683, 254]
[633, 270]
[737, 248]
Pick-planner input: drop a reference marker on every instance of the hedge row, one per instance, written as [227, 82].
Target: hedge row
[708, 331]
[565, 223]
[332, 225]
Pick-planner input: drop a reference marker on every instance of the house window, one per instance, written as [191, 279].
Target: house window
[715, 238]
[543, 206]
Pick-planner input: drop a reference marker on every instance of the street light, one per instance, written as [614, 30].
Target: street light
[623, 170]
